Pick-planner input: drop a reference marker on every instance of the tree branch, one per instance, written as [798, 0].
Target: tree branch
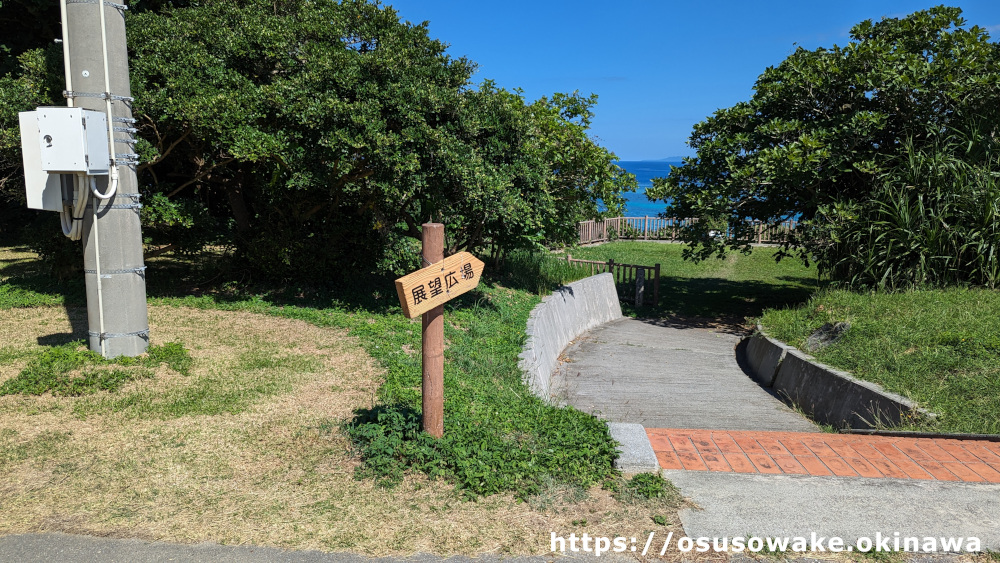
[158, 251]
[164, 154]
[200, 176]
[339, 183]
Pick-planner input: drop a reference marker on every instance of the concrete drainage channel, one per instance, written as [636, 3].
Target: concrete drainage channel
[828, 395]
[559, 319]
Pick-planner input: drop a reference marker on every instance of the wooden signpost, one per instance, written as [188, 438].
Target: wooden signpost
[425, 292]
[438, 283]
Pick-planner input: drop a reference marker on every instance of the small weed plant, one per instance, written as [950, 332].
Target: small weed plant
[648, 486]
[72, 370]
[641, 487]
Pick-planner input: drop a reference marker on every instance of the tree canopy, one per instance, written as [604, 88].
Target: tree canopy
[831, 135]
[318, 136]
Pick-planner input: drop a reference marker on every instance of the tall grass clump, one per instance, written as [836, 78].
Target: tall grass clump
[934, 222]
[536, 271]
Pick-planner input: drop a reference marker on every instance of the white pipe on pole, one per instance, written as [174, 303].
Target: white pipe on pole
[111, 128]
[100, 292]
[65, 46]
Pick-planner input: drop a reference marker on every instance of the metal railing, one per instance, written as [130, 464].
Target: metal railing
[636, 284]
[660, 228]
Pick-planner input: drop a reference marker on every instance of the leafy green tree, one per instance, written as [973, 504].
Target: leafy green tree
[316, 136]
[826, 130]
[31, 83]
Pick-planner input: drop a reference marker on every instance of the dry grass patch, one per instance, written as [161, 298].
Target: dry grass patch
[9, 255]
[247, 450]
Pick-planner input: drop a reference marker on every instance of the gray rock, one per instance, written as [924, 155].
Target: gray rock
[826, 335]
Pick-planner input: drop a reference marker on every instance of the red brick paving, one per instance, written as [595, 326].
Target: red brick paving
[844, 455]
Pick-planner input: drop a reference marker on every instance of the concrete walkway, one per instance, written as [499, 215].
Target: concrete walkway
[754, 466]
[667, 377]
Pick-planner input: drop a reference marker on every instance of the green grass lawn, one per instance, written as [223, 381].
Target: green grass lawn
[731, 288]
[498, 436]
[263, 361]
[938, 347]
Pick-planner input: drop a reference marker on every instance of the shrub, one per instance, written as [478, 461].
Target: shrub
[936, 223]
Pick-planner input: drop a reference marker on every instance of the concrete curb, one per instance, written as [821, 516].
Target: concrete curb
[828, 395]
[561, 317]
[637, 455]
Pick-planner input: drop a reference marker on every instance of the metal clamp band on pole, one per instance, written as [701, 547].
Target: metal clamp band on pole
[123, 120]
[98, 95]
[140, 270]
[126, 141]
[143, 334]
[126, 130]
[124, 206]
[70, 94]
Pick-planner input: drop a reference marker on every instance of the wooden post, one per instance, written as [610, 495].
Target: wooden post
[433, 340]
[645, 228]
[656, 285]
[640, 286]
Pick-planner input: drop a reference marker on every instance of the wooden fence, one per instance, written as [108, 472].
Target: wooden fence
[659, 228]
[636, 284]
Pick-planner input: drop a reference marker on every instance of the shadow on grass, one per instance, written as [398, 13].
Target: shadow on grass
[718, 302]
[684, 301]
[227, 284]
[78, 328]
[28, 283]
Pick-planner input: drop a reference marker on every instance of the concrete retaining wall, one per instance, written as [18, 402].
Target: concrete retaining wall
[570, 311]
[828, 395]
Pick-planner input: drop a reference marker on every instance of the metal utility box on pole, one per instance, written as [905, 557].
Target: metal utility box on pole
[94, 40]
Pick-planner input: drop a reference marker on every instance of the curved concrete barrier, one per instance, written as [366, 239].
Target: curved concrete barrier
[828, 395]
[562, 316]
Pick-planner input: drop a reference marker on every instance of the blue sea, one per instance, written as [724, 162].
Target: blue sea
[645, 170]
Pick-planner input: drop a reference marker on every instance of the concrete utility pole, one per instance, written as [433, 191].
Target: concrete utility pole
[112, 239]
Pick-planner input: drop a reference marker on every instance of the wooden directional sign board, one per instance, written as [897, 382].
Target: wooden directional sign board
[436, 284]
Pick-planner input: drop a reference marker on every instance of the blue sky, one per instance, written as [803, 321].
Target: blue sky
[659, 67]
